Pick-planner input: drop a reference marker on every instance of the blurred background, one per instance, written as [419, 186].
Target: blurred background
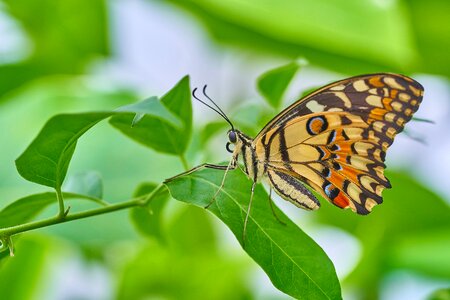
[84, 55]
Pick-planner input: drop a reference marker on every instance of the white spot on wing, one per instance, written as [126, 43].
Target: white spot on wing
[315, 106]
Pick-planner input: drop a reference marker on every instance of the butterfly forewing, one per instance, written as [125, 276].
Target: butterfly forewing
[336, 138]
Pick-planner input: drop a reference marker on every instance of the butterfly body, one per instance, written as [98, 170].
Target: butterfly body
[333, 140]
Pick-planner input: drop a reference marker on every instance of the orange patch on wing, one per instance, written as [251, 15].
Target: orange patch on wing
[387, 103]
[336, 179]
[350, 173]
[316, 125]
[344, 149]
[376, 81]
[341, 200]
[394, 93]
[377, 114]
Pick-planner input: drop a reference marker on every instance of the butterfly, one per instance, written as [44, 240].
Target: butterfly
[334, 140]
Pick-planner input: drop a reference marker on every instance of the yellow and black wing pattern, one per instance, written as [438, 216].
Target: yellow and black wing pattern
[335, 140]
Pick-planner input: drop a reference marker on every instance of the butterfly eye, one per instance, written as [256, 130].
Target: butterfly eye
[232, 136]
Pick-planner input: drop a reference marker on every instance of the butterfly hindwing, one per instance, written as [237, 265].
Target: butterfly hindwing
[335, 140]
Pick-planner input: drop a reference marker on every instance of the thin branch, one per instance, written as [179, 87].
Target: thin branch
[141, 201]
[62, 211]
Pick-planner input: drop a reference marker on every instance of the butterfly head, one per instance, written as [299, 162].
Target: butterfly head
[232, 139]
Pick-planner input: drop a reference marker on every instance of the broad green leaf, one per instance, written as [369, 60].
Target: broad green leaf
[292, 260]
[47, 158]
[178, 101]
[159, 134]
[27, 208]
[274, 83]
[85, 183]
[151, 107]
[147, 220]
[409, 212]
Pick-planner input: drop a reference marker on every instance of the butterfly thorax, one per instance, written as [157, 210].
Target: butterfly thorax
[253, 165]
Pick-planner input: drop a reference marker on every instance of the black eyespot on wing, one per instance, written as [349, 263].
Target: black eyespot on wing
[316, 125]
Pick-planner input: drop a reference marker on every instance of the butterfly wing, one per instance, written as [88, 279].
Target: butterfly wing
[335, 140]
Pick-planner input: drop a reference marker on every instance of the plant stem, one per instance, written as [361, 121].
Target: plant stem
[141, 201]
[57, 220]
[59, 196]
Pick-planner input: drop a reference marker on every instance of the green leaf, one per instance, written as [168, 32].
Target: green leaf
[27, 208]
[178, 101]
[273, 83]
[159, 134]
[86, 183]
[292, 260]
[147, 220]
[152, 107]
[47, 158]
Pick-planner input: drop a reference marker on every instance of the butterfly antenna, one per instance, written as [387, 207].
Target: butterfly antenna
[416, 138]
[203, 102]
[423, 120]
[217, 106]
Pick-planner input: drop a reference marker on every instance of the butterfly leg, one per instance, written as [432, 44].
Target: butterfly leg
[272, 208]
[248, 213]
[231, 166]
[202, 166]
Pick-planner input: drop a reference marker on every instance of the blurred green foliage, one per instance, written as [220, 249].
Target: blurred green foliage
[63, 41]
[409, 231]
[346, 36]
[175, 249]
